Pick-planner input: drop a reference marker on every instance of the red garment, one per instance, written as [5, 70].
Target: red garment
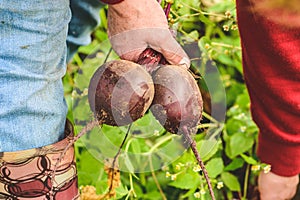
[271, 61]
[111, 1]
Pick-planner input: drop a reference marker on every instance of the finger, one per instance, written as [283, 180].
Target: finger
[165, 43]
[133, 55]
[176, 56]
[129, 44]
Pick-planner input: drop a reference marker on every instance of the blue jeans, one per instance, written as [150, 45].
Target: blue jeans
[33, 55]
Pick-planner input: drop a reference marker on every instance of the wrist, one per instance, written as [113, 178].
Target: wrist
[137, 14]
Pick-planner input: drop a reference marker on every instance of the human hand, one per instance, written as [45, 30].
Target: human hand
[272, 186]
[134, 25]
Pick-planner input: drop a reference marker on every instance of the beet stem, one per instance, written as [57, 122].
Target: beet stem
[193, 146]
[85, 129]
[167, 10]
[116, 157]
[108, 54]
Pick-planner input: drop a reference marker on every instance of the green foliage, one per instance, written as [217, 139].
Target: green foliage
[155, 164]
[231, 181]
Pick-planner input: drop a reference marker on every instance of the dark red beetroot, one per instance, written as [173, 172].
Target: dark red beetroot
[120, 92]
[178, 105]
[177, 101]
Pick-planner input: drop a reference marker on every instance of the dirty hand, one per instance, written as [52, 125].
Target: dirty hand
[134, 25]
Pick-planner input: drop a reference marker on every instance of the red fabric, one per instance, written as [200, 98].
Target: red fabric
[271, 61]
[111, 1]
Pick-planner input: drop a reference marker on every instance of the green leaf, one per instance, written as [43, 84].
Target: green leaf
[205, 20]
[101, 185]
[101, 35]
[103, 18]
[207, 148]
[203, 42]
[249, 159]
[238, 143]
[233, 91]
[121, 191]
[221, 6]
[135, 146]
[191, 37]
[235, 164]
[89, 173]
[231, 181]
[89, 49]
[243, 100]
[152, 195]
[214, 167]
[233, 126]
[81, 110]
[147, 126]
[227, 60]
[186, 181]
[128, 164]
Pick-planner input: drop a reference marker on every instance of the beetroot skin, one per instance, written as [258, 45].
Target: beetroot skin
[177, 101]
[120, 92]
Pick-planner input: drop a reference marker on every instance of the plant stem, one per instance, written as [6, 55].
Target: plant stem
[207, 125]
[131, 191]
[193, 146]
[108, 54]
[112, 168]
[160, 143]
[217, 132]
[225, 45]
[155, 179]
[201, 12]
[204, 114]
[246, 181]
[167, 9]
[128, 145]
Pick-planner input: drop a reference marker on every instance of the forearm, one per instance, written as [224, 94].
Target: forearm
[271, 70]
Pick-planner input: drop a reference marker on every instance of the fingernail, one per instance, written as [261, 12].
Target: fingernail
[185, 61]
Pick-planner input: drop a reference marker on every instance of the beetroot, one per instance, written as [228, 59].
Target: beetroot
[120, 92]
[178, 105]
[177, 101]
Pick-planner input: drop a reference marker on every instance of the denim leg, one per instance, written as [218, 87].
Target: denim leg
[85, 18]
[32, 62]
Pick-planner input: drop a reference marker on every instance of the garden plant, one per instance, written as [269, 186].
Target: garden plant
[142, 160]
